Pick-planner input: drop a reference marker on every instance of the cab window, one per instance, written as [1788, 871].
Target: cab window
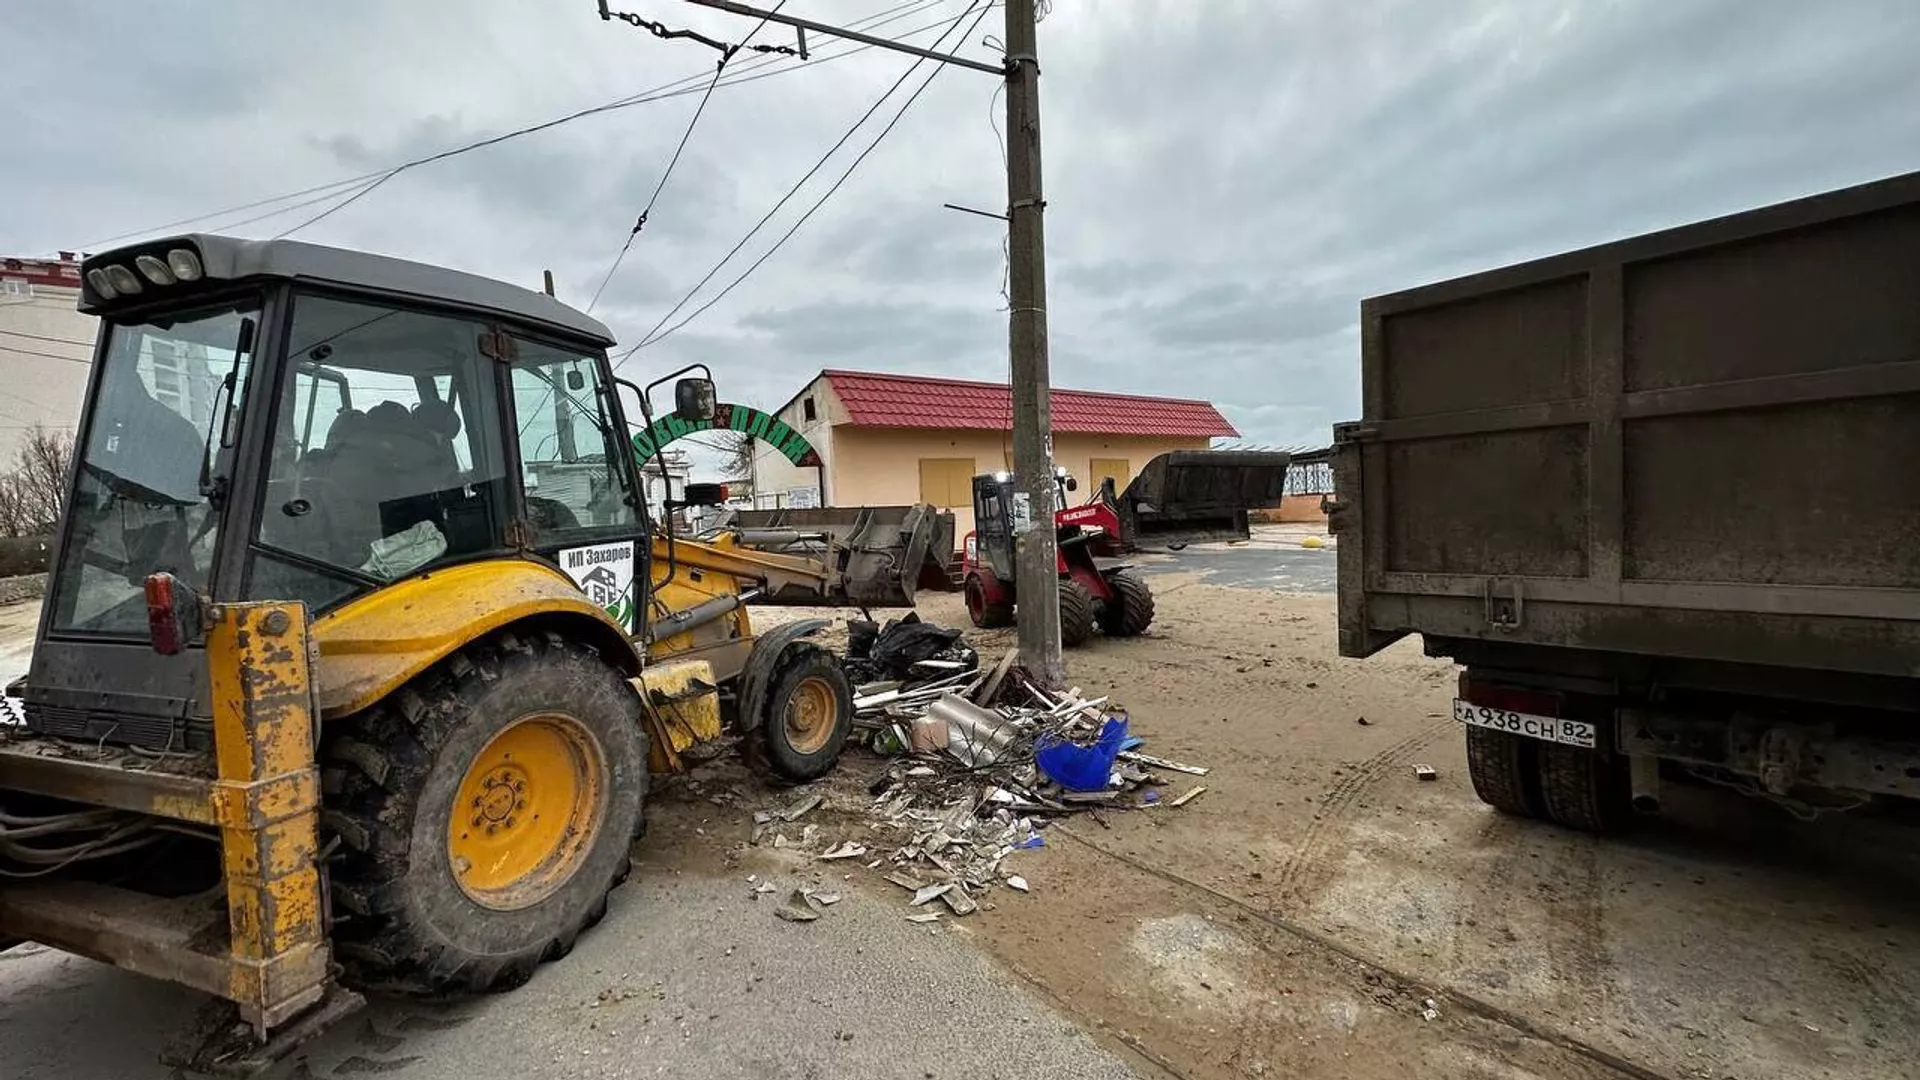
[571, 466]
[379, 469]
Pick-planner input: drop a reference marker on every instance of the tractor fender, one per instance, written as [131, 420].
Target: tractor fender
[371, 646]
[763, 663]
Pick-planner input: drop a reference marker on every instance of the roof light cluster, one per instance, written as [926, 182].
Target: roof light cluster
[118, 279]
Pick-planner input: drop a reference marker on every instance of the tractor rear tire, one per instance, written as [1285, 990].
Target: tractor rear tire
[1131, 610]
[1076, 613]
[462, 867]
[806, 719]
[986, 615]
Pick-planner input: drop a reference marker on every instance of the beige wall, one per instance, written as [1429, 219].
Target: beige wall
[881, 466]
[41, 389]
[773, 474]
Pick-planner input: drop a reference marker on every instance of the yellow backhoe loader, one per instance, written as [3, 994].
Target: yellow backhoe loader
[361, 640]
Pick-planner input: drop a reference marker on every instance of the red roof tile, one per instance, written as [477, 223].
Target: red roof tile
[915, 401]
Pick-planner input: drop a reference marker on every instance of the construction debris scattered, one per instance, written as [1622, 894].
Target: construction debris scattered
[987, 760]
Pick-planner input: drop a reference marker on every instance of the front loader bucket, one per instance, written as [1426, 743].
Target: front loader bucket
[876, 556]
[1195, 496]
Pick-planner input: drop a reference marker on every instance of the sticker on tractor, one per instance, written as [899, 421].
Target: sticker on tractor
[605, 573]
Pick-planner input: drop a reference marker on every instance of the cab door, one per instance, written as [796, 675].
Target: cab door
[576, 476]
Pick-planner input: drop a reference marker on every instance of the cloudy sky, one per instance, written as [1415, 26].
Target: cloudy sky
[1226, 178]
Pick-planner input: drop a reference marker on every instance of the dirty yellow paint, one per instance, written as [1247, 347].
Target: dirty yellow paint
[370, 647]
[683, 695]
[267, 801]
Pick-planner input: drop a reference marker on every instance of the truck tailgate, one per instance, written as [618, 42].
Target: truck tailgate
[1703, 442]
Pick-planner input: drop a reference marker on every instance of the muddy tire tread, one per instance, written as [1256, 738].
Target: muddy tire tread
[1076, 613]
[1132, 610]
[379, 762]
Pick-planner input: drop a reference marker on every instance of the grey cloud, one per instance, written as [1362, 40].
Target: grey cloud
[1227, 179]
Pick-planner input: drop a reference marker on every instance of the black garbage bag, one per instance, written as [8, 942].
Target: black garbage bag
[861, 634]
[902, 644]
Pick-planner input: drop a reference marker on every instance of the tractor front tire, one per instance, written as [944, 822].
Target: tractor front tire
[484, 812]
[986, 614]
[1131, 610]
[806, 719]
[1076, 613]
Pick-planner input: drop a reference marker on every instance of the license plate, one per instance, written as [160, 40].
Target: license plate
[1544, 728]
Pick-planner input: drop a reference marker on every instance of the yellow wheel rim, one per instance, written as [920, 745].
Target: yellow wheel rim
[811, 715]
[529, 808]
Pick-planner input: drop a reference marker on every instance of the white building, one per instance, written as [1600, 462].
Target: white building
[46, 348]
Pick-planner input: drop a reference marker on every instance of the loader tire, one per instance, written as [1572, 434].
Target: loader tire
[986, 614]
[1504, 770]
[483, 813]
[1131, 611]
[1076, 613]
[1583, 789]
[806, 719]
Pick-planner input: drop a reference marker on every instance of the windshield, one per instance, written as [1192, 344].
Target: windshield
[139, 506]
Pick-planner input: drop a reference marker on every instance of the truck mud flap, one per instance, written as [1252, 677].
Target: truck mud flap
[1197, 496]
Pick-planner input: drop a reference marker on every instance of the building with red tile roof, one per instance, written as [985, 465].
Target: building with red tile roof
[885, 439]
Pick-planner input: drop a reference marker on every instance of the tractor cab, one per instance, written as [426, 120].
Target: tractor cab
[280, 420]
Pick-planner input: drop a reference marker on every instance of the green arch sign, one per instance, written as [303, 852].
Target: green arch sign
[741, 418]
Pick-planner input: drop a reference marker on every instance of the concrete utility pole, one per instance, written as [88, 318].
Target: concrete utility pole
[1035, 542]
[1036, 547]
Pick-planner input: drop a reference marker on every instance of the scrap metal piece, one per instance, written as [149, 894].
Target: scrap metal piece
[1163, 763]
[798, 908]
[924, 917]
[1425, 772]
[801, 807]
[959, 901]
[1015, 881]
[930, 893]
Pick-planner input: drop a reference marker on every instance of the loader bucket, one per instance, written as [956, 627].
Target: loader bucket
[876, 556]
[1195, 496]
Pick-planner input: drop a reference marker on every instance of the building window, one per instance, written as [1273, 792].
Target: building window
[946, 482]
[15, 287]
[806, 408]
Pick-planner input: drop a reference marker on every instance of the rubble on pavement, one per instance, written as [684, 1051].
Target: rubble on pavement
[984, 762]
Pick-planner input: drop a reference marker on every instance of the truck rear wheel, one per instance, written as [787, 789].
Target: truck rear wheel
[484, 812]
[1583, 789]
[1130, 611]
[1504, 771]
[1076, 613]
[986, 613]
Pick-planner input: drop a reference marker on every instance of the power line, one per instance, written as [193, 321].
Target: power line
[43, 337]
[655, 335]
[640, 222]
[353, 198]
[726, 54]
[648, 338]
[683, 85]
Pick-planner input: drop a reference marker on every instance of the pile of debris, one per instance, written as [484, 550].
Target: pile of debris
[987, 760]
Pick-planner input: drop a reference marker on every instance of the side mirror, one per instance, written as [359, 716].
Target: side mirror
[575, 380]
[1072, 484]
[704, 495]
[693, 399]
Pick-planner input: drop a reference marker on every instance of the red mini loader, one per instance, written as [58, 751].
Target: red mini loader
[1181, 497]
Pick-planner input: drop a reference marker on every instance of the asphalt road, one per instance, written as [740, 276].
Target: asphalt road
[1285, 568]
[690, 976]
